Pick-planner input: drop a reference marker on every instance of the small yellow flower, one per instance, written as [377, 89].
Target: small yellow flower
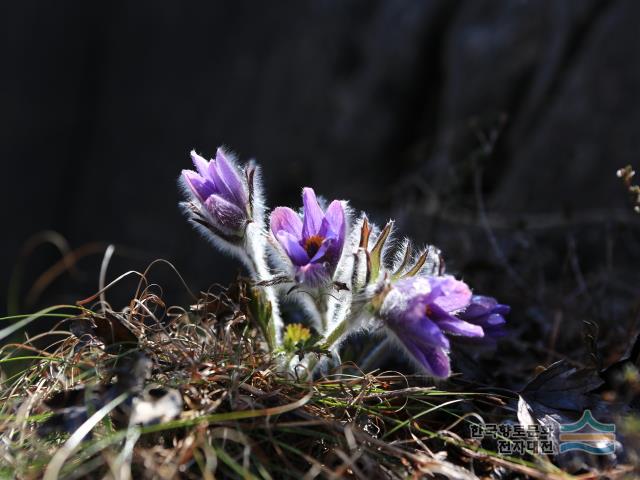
[296, 332]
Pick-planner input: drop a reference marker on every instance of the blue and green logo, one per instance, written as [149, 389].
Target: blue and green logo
[588, 435]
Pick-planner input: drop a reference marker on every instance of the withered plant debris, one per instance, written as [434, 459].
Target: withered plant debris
[200, 395]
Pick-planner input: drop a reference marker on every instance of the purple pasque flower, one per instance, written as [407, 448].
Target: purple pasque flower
[487, 313]
[222, 194]
[420, 313]
[314, 243]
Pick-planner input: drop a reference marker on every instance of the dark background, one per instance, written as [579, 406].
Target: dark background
[493, 129]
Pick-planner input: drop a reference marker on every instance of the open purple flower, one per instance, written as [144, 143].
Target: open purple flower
[487, 313]
[420, 313]
[314, 243]
[221, 193]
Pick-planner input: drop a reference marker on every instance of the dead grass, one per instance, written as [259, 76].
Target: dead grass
[97, 403]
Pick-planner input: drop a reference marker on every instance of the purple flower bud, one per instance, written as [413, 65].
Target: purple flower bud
[314, 243]
[420, 313]
[487, 313]
[221, 194]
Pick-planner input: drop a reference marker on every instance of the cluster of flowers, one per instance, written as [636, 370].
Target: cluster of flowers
[337, 268]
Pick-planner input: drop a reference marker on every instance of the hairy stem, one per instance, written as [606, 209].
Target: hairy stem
[255, 248]
[321, 305]
[337, 332]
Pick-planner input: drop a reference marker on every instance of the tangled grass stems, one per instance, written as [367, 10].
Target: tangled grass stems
[241, 417]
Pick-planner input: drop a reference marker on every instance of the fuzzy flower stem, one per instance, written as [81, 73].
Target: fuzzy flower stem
[321, 305]
[336, 333]
[259, 271]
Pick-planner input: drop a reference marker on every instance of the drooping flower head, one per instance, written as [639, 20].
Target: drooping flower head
[222, 194]
[314, 243]
[487, 313]
[420, 313]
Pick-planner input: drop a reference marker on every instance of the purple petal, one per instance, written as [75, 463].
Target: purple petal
[334, 225]
[283, 218]
[292, 247]
[456, 326]
[433, 359]
[333, 220]
[313, 215]
[438, 361]
[493, 327]
[480, 305]
[415, 325]
[495, 319]
[487, 313]
[335, 245]
[501, 309]
[226, 213]
[456, 294]
[221, 187]
[231, 178]
[430, 333]
[200, 187]
[415, 309]
[450, 324]
[200, 163]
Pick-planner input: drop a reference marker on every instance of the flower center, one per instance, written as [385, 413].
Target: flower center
[312, 245]
[428, 311]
